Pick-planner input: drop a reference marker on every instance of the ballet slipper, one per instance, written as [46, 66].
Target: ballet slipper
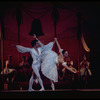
[53, 87]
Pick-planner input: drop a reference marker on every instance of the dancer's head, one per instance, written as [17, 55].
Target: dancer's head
[84, 57]
[35, 43]
[65, 53]
[23, 58]
[10, 58]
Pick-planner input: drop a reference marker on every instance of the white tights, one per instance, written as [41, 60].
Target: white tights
[36, 71]
[52, 85]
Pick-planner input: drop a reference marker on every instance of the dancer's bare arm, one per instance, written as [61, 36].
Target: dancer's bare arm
[58, 46]
[41, 44]
[65, 65]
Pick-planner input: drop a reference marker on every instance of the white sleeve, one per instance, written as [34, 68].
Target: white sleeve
[41, 44]
[22, 49]
[49, 46]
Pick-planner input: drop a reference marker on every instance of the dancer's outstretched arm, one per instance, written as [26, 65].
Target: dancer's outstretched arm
[21, 48]
[64, 64]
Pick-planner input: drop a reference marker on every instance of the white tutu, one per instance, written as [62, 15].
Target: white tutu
[84, 72]
[48, 66]
[7, 71]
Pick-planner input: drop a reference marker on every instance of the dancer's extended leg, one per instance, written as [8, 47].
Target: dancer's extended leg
[31, 83]
[36, 71]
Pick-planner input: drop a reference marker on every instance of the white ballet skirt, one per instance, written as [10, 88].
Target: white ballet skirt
[49, 60]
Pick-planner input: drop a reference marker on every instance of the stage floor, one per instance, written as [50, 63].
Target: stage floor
[49, 94]
[47, 90]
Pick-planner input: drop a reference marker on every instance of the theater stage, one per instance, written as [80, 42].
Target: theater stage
[49, 94]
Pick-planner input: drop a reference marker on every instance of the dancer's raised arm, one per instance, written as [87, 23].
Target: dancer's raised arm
[45, 47]
[70, 69]
[41, 44]
[60, 50]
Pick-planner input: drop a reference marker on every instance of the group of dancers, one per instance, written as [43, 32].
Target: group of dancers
[43, 56]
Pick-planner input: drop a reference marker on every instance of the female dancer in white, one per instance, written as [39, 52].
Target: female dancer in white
[36, 54]
[50, 59]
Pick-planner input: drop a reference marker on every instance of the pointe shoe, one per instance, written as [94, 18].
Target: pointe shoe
[53, 87]
[30, 90]
[42, 89]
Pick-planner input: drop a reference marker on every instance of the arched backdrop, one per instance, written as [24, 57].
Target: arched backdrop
[66, 27]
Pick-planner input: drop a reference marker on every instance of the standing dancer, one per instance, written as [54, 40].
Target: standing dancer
[36, 54]
[50, 59]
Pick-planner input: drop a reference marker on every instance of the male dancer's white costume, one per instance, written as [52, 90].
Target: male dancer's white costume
[35, 65]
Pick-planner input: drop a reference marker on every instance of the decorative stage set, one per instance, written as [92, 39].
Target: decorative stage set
[68, 22]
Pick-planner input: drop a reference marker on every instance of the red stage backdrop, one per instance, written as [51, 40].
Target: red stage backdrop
[66, 27]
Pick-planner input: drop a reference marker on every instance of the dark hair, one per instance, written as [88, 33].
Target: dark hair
[63, 51]
[83, 55]
[33, 43]
[10, 56]
[24, 57]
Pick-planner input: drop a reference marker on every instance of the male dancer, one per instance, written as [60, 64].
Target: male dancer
[36, 54]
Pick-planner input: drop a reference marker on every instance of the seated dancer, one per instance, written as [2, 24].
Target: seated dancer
[85, 70]
[35, 52]
[24, 65]
[9, 69]
[50, 59]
